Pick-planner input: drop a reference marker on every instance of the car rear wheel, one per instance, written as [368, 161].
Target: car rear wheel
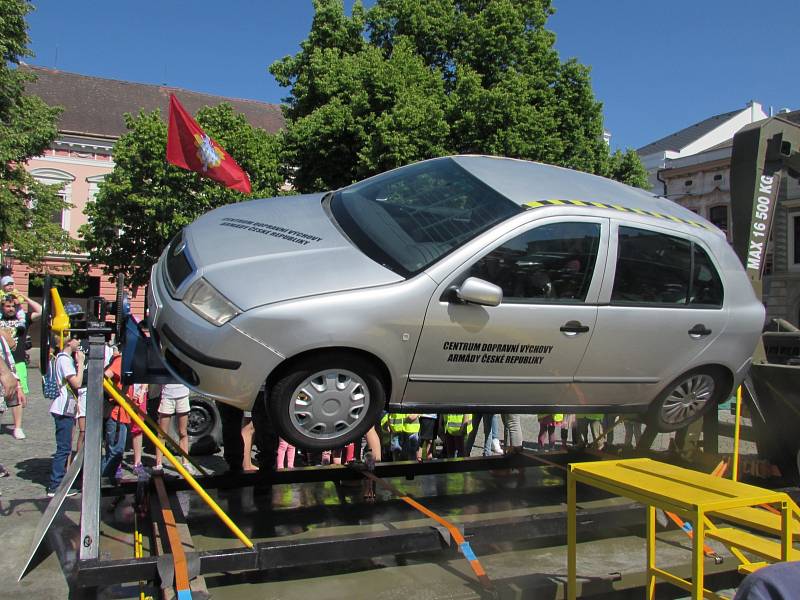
[327, 401]
[686, 399]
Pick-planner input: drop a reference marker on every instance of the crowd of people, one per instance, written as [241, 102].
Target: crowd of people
[422, 437]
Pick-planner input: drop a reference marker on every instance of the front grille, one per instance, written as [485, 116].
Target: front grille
[178, 265]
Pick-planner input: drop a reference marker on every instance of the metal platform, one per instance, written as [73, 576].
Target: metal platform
[313, 522]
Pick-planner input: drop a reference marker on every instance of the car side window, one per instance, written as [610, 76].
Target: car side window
[706, 287]
[552, 263]
[656, 268]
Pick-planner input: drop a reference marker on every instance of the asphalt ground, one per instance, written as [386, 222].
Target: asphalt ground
[23, 497]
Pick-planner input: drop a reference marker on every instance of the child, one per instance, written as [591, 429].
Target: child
[175, 402]
[69, 375]
[248, 429]
[404, 429]
[547, 430]
[116, 425]
[428, 428]
[137, 438]
[285, 451]
[456, 428]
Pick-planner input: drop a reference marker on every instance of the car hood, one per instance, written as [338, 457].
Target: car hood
[276, 249]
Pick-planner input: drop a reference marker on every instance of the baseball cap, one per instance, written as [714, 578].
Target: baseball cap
[6, 280]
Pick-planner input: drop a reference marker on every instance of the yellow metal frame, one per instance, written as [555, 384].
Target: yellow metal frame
[736, 434]
[690, 494]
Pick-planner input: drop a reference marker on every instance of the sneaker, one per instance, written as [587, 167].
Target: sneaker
[139, 470]
[19, 434]
[158, 468]
[51, 493]
[4, 472]
[496, 448]
[119, 474]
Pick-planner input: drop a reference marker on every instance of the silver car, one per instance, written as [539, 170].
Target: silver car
[464, 283]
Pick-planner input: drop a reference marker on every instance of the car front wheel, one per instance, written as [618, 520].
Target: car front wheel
[686, 399]
[327, 401]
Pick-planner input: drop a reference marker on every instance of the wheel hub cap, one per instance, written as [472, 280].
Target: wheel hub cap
[329, 403]
[688, 398]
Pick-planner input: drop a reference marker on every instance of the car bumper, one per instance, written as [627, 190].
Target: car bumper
[219, 362]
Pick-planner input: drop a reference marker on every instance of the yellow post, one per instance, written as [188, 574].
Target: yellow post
[697, 554]
[736, 430]
[109, 387]
[786, 530]
[651, 552]
[572, 566]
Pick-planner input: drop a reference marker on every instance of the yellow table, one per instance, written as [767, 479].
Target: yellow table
[689, 494]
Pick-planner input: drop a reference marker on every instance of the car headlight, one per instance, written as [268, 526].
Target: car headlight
[207, 302]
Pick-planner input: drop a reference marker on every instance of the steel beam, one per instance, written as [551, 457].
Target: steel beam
[90, 496]
[408, 469]
[301, 553]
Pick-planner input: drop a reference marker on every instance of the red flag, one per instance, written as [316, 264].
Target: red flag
[189, 147]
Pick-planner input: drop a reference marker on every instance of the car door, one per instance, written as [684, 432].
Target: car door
[661, 307]
[525, 350]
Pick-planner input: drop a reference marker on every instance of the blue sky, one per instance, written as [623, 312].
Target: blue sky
[656, 66]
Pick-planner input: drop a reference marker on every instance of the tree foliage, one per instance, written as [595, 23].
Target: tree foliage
[408, 80]
[27, 127]
[145, 201]
[627, 167]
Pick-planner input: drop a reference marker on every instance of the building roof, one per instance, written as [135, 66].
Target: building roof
[95, 106]
[680, 139]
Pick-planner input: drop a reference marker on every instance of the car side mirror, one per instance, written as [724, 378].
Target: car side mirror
[478, 291]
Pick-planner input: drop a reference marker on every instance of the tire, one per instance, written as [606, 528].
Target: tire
[686, 399]
[205, 426]
[309, 404]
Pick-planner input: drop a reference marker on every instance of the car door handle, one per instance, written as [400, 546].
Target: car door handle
[699, 330]
[573, 327]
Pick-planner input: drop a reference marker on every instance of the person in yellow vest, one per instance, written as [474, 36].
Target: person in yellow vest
[456, 429]
[404, 430]
[547, 430]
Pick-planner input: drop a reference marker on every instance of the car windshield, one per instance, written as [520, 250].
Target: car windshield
[411, 217]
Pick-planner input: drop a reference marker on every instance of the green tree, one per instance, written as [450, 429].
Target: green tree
[27, 127]
[467, 76]
[145, 201]
[628, 168]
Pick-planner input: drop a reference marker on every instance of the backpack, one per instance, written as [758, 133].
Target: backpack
[50, 387]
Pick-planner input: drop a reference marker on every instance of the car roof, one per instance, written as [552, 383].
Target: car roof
[532, 185]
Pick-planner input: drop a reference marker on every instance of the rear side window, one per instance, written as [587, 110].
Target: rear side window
[665, 270]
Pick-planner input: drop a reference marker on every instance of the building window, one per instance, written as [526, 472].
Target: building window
[718, 215]
[717, 177]
[62, 179]
[94, 183]
[687, 183]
